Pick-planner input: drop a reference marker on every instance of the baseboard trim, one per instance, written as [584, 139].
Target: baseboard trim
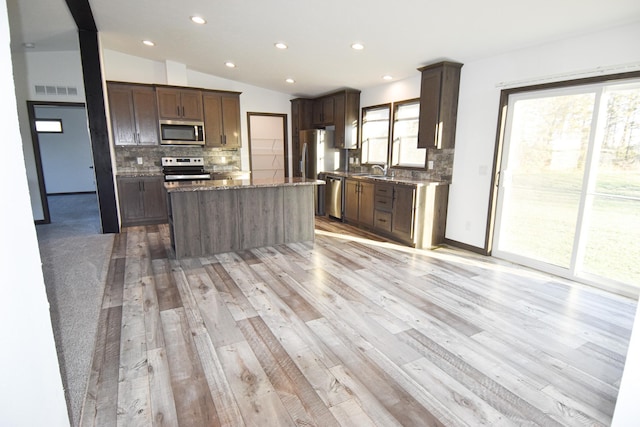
[466, 247]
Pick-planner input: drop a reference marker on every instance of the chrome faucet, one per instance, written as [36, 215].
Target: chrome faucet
[383, 169]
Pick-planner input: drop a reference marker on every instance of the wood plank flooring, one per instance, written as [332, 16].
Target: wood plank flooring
[348, 330]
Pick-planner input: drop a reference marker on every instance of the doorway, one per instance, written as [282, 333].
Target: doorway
[268, 150]
[569, 191]
[64, 164]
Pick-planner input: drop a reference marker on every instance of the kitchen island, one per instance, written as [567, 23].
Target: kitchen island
[217, 216]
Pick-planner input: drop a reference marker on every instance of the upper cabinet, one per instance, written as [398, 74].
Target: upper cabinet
[301, 119]
[134, 117]
[346, 113]
[340, 109]
[323, 110]
[439, 105]
[222, 119]
[179, 104]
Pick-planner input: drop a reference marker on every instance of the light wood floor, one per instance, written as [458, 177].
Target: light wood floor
[351, 332]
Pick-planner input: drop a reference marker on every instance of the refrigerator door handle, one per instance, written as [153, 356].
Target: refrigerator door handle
[303, 160]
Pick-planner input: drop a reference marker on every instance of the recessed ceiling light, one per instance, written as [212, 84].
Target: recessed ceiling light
[230, 64]
[387, 77]
[290, 80]
[198, 20]
[281, 45]
[148, 42]
[357, 46]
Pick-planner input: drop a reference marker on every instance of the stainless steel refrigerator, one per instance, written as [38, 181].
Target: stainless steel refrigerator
[316, 152]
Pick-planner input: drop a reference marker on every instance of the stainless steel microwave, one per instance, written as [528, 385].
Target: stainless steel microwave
[177, 132]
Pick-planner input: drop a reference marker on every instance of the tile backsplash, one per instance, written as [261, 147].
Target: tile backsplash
[215, 159]
[442, 167]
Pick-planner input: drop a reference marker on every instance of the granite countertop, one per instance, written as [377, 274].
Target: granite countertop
[139, 174]
[235, 184]
[389, 179]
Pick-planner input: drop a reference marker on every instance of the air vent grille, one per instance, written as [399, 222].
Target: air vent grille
[51, 90]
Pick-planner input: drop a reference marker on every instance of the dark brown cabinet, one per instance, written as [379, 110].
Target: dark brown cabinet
[414, 214]
[179, 104]
[222, 119]
[439, 90]
[134, 117]
[301, 119]
[403, 212]
[359, 202]
[347, 111]
[340, 109]
[323, 111]
[142, 200]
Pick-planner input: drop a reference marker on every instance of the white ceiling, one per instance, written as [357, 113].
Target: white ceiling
[399, 35]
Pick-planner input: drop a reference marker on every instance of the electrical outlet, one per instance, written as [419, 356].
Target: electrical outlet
[140, 161]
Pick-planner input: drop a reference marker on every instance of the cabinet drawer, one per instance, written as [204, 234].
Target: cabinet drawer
[384, 190]
[383, 203]
[382, 220]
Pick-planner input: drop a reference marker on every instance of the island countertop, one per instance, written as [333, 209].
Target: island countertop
[237, 184]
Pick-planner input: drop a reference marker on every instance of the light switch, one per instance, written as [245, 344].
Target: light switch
[430, 164]
[139, 160]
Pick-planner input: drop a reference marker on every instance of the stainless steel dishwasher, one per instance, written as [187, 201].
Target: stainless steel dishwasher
[334, 197]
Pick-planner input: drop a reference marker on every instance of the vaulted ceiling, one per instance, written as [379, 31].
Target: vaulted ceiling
[398, 36]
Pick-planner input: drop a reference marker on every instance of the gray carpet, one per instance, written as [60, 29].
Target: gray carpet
[75, 260]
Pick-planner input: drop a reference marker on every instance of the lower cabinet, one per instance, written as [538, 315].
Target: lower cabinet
[414, 214]
[142, 200]
[359, 202]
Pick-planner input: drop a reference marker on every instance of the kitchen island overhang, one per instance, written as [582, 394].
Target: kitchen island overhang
[218, 216]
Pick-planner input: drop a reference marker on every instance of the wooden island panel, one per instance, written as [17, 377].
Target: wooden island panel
[210, 218]
[299, 214]
[219, 228]
[262, 217]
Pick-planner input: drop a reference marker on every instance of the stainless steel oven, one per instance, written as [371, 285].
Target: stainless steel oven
[184, 169]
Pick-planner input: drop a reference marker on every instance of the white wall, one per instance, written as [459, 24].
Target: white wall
[627, 412]
[123, 67]
[42, 68]
[481, 82]
[31, 393]
[478, 111]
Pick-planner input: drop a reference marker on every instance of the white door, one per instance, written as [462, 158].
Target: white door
[569, 188]
[266, 142]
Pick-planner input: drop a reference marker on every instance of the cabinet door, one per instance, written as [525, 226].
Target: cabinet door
[130, 198]
[169, 106]
[339, 117]
[323, 111]
[367, 202]
[351, 200]
[231, 121]
[212, 119]
[191, 105]
[154, 199]
[146, 116]
[403, 211]
[122, 114]
[429, 108]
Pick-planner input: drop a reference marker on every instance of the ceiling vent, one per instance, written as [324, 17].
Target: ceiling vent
[56, 90]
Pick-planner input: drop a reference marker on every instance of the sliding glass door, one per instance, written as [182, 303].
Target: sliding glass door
[569, 183]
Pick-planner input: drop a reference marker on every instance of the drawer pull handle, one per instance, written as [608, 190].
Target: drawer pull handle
[382, 220]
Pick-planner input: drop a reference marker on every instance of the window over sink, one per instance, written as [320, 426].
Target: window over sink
[404, 148]
[375, 134]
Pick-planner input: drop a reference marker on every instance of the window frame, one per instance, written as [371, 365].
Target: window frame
[389, 107]
[48, 120]
[393, 121]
